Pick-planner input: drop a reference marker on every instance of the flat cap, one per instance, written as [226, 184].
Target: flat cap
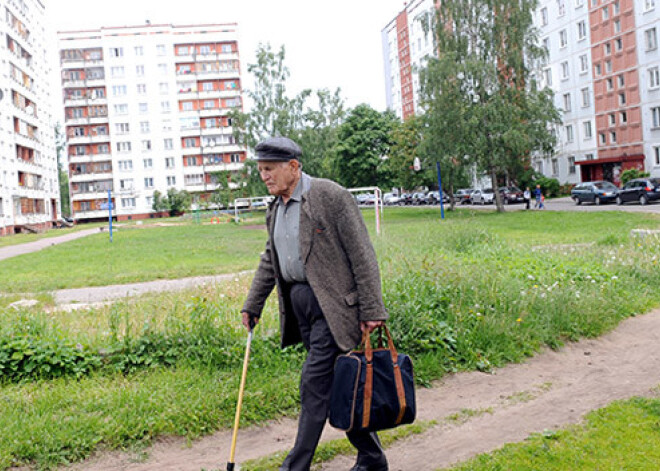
[277, 149]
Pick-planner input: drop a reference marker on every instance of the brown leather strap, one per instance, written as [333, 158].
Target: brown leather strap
[398, 380]
[369, 380]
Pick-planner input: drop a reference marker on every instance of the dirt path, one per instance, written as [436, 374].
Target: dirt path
[549, 391]
[29, 247]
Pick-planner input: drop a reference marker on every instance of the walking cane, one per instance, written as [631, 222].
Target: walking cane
[230, 463]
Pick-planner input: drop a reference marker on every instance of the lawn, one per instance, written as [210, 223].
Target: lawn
[623, 435]
[15, 239]
[474, 291]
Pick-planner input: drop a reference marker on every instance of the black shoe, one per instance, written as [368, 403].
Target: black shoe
[372, 467]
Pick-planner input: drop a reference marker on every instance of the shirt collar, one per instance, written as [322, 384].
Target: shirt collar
[301, 187]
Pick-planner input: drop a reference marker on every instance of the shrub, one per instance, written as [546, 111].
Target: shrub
[631, 174]
[550, 186]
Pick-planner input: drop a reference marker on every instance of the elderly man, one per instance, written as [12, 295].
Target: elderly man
[319, 256]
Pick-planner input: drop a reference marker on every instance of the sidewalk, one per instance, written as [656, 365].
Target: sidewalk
[29, 247]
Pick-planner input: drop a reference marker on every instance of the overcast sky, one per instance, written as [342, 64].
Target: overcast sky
[328, 44]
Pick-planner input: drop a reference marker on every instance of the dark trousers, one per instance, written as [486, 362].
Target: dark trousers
[315, 387]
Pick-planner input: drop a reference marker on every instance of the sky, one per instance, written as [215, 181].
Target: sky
[330, 45]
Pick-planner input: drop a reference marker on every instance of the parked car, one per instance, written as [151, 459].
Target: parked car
[639, 189]
[463, 196]
[594, 192]
[486, 196]
[391, 199]
[419, 198]
[364, 198]
[433, 197]
[511, 194]
[406, 199]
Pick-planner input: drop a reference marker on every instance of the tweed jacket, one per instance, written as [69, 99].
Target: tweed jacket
[340, 265]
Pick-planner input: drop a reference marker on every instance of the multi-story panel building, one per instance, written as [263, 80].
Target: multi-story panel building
[29, 189]
[406, 46]
[147, 108]
[603, 67]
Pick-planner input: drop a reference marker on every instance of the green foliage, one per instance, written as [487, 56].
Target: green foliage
[623, 435]
[178, 201]
[550, 186]
[363, 141]
[62, 174]
[631, 174]
[159, 203]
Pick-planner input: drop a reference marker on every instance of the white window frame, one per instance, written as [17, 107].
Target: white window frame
[586, 128]
[563, 39]
[654, 77]
[651, 39]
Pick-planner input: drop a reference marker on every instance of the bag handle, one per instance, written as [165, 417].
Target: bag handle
[368, 386]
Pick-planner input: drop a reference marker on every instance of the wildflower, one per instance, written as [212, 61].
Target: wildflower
[615, 277]
[519, 319]
[79, 347]
[530, 277]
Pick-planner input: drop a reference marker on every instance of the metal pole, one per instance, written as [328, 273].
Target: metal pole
[377, 208]
[110, 215]
[246, 359]
[442, 205]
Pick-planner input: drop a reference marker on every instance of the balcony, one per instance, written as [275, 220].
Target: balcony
[224, 148]
[92, 139]
[97, 195]
[89, 177]
[190, 151]
[223, 167]
[88, 158]
[93, 214]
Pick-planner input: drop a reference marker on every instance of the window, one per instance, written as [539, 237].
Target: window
[167, 144]
[597, 70]
[589, 157]
[234, 158]
[149, 182]
[649, 5]
[122, 128]
[621, 80]
[547, 74]
[586, 100]
[121, 109]
[117, 72]
[563, 38]
[187, 106]
[165, 106]
[617, 7]
[146, 145]
[169, 162]
[139, 70]
[611, 119]
[586, 126]
[143, 107]
[171, 181]
[612, 137]
[555, 167]
[569, 133]
[126, 184]
[125, 165]
[582, 30]
[617, 26]
[608, 67]
[623, 117]
[607, 49]
[139, 50]
[149, 200]
[571, 165]
[609, 84]
[160, 49]
[567, 102]
[650, 39]
[606, 13]
[655, 112]
[601, 138]
[594, 3]
[564, 70]
[622, 99]
[584, 64]
[162, 69]
[654, 77]
[207, 86]
[579, 3]
[190, 142]
[163, 87]
[561, 8]
[191, 161]
[209, 104]
[123, 146]
[656, 153]
[167, 125]
[141, 88]
[148, 163]
[128, 202]
[205, 49]
[119, 90]
[144, 127]
[618, 44]
[116, 52]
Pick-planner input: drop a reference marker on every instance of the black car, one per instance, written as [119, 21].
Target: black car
[511, 194]
[419, 198]
[639, 189]
[594, 192]
[406, 199]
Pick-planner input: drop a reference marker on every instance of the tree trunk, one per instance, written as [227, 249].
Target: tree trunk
[498, 196]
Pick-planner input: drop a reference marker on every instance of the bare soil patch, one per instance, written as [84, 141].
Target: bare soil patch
[549, 391]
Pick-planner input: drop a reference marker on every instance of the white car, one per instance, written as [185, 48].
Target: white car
[391, 199]
[483, 196]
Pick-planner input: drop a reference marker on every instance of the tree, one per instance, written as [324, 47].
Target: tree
[159, 203]
[62, 174]
[363, 143]
[483, 82]
[631, 174]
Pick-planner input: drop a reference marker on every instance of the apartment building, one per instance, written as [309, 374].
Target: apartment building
[406, 46]
[29, 188]
[603, 67]
[147, 108]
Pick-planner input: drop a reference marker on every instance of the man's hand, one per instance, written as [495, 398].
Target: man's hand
[249, 321]
[369, 326]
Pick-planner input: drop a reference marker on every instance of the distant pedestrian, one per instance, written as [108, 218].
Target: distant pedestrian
[538, 194]
[527, 195]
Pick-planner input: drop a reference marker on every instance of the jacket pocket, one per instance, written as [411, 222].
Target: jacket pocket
[351, 299]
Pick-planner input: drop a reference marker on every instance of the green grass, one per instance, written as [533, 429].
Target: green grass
[623, 435]
[136, 254]
[15, 239]
[474, 291]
